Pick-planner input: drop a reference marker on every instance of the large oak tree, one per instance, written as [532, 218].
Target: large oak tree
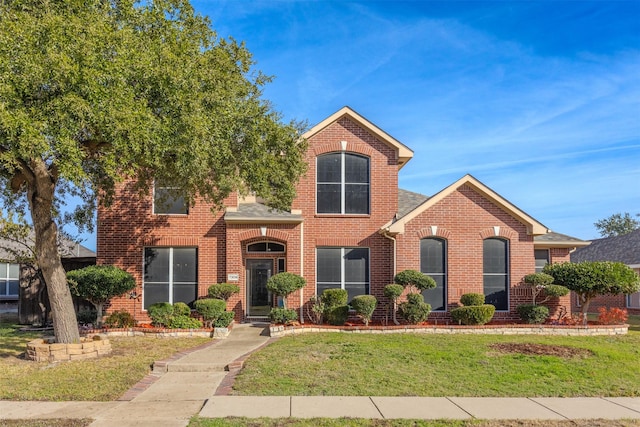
[94, 92]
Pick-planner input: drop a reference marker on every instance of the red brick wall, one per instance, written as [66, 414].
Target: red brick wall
[464, 218]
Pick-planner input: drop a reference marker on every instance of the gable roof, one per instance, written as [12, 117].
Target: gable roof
[625, 249]
[553, 239]
[408, 201]
[533, 227]
[404, 153]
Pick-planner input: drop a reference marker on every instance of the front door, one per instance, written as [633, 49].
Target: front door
[258, 298]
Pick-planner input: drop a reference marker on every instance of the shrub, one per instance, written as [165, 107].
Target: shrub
[223, 291]
[531, 313]
[542, 282]
[393, 292]
[224, 320]
[315, 309]
[184, 322]
[181, 309]
[472, 299]
[210, 309]
[364, 305]
[85, 317]
[160, 313]
[613, 316]
[334, 297]
[284, 284]
[473, 315]
[415, 310]
[282, 315]
[337, 315]
[414, 278]
[120, 319]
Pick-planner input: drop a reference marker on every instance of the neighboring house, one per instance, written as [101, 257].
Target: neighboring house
[624, 249]
[350, 227]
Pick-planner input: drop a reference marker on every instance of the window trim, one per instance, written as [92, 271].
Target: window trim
[267, 251]
[536, 259]
[342, 269]
[170, 273]
[153, 208]
[507, 273]
[445, 274]
[7, 279]
[343, 184]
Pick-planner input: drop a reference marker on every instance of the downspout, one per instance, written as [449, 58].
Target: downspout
[385, 233]
[301, 316]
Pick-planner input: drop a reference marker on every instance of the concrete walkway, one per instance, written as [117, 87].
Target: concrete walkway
[196, 383]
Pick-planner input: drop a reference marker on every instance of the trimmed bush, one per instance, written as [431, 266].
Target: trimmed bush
[472, 299]
[415, 310]
[334, 297]
[531, 313]
[393, 292]
[181, 309]
[160, 313]
[120, 319]
[284, 284]
[184, 322]
[210, 309]
[224, 320]
[474, 314]
[364, 305]
[282, 315]
[337, 315]
[223, 291]
[414, 278]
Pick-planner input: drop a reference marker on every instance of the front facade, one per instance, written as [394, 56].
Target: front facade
[349, 227]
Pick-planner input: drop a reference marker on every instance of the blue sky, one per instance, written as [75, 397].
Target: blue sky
[538, 100]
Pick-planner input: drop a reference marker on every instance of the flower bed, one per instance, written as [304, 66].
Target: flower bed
[47, 350]
[494, 329]
[149, 330]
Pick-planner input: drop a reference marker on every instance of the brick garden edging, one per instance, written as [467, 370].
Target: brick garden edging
[47, 350]
[219, 333]
[514, 329]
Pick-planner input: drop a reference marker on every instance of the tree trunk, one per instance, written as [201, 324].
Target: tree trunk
[40, 193]
[584, 309]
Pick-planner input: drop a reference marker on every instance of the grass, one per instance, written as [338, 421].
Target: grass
[102, 379]
[358, 422]
[440, 365]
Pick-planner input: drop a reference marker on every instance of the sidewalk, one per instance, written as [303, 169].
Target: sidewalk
[183, 387]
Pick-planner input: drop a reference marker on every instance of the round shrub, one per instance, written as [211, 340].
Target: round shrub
[282, 315]
[334, 297]
[181, 309]
[184, 322]
[531, 313]
[414, 278]
[364, 305]
[472, 299]
[160, 313]
[210, 309]
[337, 315]
[224, 320]
[223, 291]
[415, 310]
[284, 284]
[120, 319]
[555, 291]
[474, 314]
[393, 291]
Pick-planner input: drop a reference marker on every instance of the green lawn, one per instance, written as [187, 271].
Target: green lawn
[102, 379]
[442, 365]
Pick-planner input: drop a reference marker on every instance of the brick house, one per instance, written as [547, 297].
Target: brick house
[350, 227]
[624, 249]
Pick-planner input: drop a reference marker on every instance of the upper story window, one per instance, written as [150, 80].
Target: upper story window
[496, 272]
[342, 184]
[433, 262]
[9, 280]
[265, 247]
[167, 200]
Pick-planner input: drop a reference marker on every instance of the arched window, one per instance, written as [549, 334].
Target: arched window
[265, 247]
[433, 262]
[342, 184]
[496, 272]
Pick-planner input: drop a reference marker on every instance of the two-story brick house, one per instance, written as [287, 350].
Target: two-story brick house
[350, 226]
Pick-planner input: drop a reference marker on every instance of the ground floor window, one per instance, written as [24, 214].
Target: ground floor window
[433, 262]
[170, 275]
[345, 268]
[496, 272]
[633, 300]
[9, 280]
[542, 259]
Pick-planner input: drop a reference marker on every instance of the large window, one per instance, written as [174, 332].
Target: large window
[167, 200]
[170, 275]
[345, 268]
[9, 280]
[496, 272]
[542, 259]
[433, 262]
[343, 184]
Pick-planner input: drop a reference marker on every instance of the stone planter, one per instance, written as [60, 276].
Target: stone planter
[47, 350]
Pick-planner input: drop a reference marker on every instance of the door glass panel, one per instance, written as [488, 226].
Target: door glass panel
[259, 299]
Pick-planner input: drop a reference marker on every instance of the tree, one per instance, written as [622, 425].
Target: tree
[617, 225]
[393, 292]
[96, 92]
[539, 282]
[284, 284]
[99, 283]
[589, 279]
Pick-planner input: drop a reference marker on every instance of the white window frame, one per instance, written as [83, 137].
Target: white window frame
[445, 274]
[343, 184]
[342, 269]
[7, 279]
[536, 259]
[170, 273]
[507, 273]
[168, 187]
